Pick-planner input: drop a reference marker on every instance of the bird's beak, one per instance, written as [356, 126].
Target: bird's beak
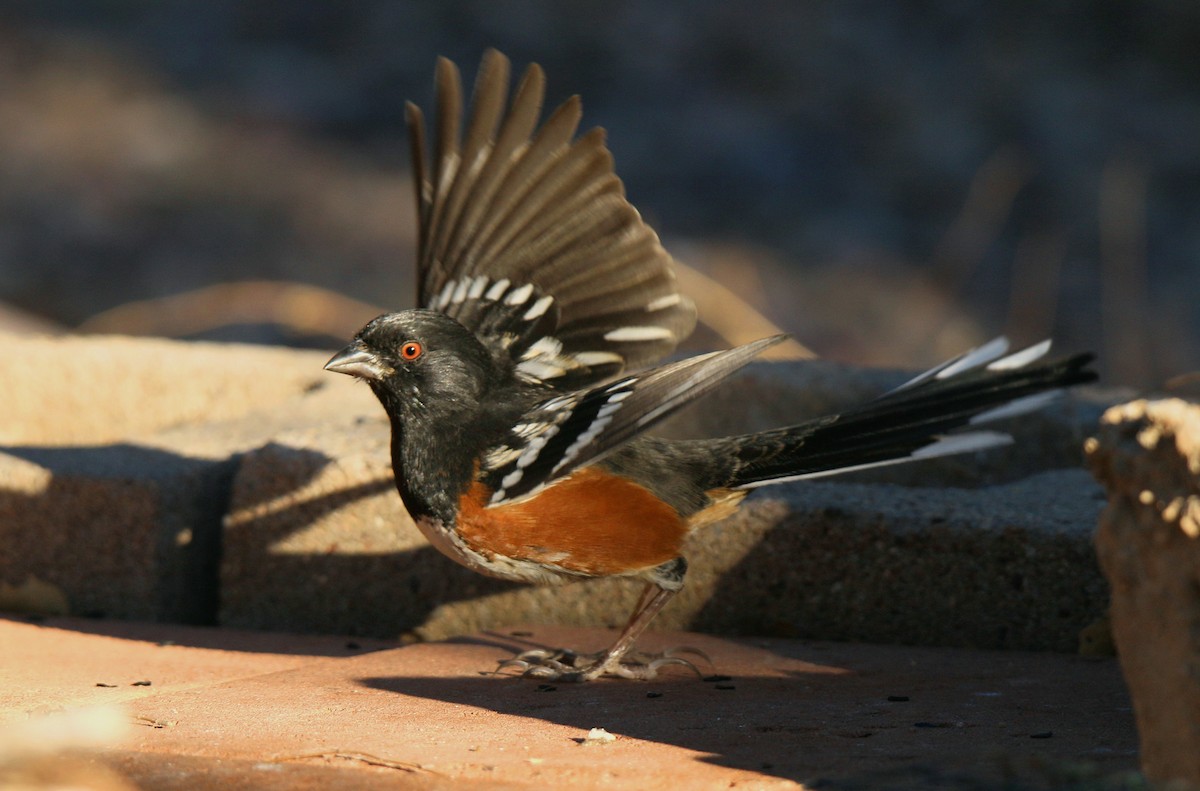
[357, 360]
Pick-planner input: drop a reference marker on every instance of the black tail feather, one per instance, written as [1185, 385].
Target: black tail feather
[905, 424]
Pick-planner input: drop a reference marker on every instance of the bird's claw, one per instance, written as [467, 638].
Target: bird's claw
[539, 669]
[568, 666]
[671, 653]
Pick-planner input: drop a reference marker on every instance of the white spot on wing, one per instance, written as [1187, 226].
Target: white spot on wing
[498, 288]
[443, 299]
[498, 457]
[530, 454]
[608, 409]
[636, 333]
[538, 308]
[670, 300]
[547, 345]
[597, 358]
[525, 430]
[477, 287]
[520, 296]
[539, 369]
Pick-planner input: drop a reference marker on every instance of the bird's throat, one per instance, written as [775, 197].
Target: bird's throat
[433, 468]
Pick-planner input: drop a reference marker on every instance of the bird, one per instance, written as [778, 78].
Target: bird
[521, 391]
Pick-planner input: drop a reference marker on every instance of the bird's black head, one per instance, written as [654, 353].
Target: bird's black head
[420, 363]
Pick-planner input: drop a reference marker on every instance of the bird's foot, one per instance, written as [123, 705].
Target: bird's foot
[563, 664]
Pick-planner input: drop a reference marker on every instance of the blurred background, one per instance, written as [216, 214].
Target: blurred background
[890, 182]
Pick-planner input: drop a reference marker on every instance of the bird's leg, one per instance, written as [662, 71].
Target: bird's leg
[561, 665]
[648, 591]
[653, 599]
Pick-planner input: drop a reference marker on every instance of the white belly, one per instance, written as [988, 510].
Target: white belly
[452, 546]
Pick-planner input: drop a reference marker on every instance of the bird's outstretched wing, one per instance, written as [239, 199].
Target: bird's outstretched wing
[526, 238]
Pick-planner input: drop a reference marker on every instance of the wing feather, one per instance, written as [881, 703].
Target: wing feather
[569, 431]
[526, 237]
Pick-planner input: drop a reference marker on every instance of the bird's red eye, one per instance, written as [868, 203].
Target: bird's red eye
[411, 350]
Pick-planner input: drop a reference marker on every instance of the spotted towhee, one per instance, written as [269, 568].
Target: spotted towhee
[518, 438]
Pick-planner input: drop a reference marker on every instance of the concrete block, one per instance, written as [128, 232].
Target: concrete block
[120, 530]
[1147, 455]
[102, 389]
[1006, 566]
[116, 458]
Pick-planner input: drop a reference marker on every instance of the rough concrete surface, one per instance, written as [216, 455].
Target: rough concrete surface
[1007, 566]
[1147, 455]
[67, 391]
[200, 708]
[116, 468]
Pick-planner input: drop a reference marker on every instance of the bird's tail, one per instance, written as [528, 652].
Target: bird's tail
[913, 421]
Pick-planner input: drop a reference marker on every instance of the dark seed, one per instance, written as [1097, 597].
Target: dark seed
[897, 698]
[714, 679]
[654, 694]
[931, 725]
[724, 686]
[140, 684]
[521, 634]
[1042, 735]
[106, 686]
[352, 646]
[546, 687]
